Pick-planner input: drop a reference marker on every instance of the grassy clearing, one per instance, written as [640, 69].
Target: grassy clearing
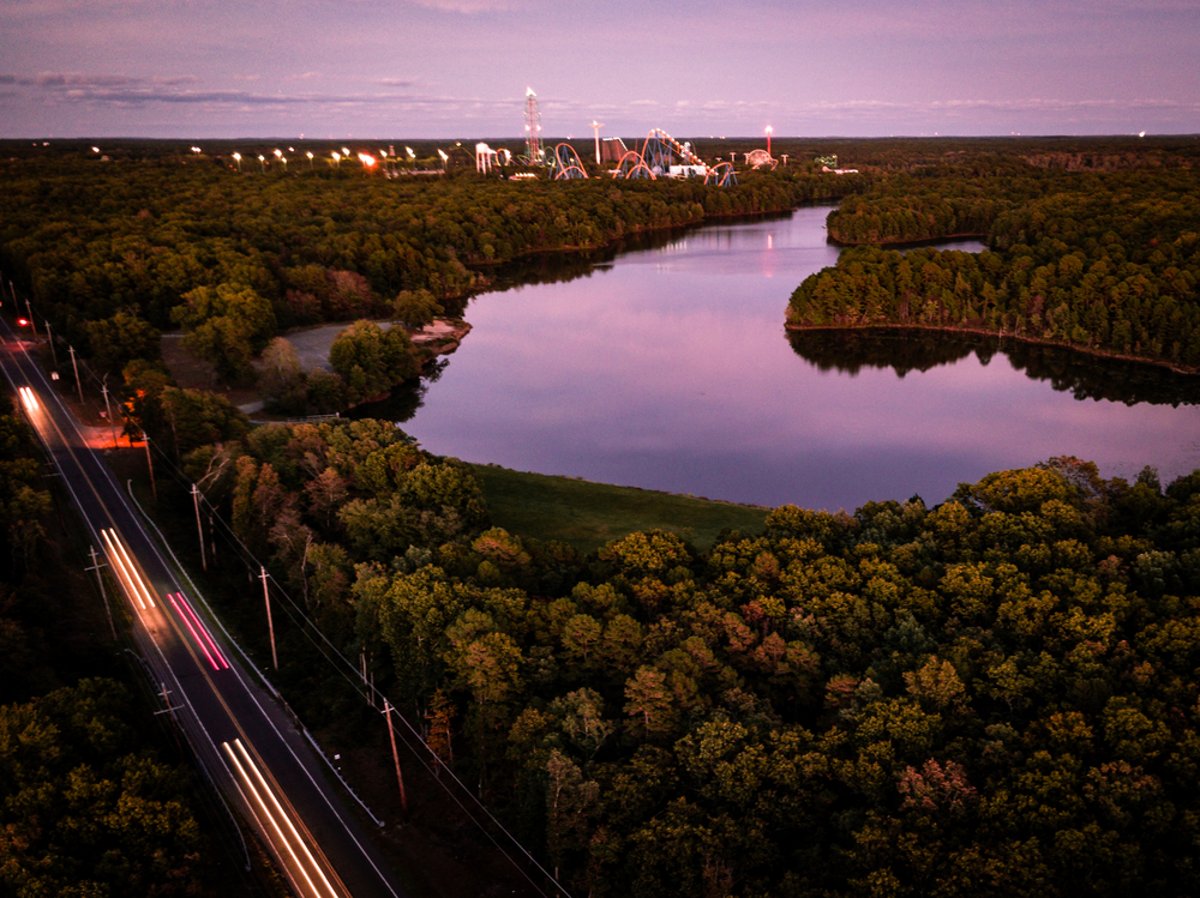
[588, 515]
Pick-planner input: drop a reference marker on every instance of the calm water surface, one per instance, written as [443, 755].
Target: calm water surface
[670, 369]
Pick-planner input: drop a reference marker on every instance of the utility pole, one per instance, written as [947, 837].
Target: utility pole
[368, 678]
[387, 712]
[199, 527]
[150, 465]
[32, 323]
[50, 339]
[270, 626]
[103, 593]
[75, 366]
[112, 428]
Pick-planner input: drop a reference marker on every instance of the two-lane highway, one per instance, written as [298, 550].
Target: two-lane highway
[245, 741]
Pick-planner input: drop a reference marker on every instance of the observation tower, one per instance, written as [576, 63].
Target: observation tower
[533, 127]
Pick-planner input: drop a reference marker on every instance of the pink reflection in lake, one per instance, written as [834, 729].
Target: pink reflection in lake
[670, 369]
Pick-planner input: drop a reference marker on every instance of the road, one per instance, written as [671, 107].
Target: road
[243, 737]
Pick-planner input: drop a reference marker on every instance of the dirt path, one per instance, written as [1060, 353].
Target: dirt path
[312, 344]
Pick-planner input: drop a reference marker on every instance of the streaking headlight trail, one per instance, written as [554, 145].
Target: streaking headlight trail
[260, 794]
[126, 572]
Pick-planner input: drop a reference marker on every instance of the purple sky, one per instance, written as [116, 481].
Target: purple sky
[459, 68]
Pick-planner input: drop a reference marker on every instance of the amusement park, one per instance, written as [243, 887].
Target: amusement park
[657, 155]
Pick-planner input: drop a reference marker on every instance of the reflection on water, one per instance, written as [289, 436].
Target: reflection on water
[668, 367]
[1085, 377]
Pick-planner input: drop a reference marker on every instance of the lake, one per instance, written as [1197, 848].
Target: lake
[669, 368]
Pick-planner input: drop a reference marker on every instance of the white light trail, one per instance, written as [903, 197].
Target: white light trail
[123, 564]
[278, 819]
[29, 400]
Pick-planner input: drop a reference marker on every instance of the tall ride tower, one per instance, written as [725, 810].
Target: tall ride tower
[533, 127]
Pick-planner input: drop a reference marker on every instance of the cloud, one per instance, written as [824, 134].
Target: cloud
[125, 91]
[467, 7]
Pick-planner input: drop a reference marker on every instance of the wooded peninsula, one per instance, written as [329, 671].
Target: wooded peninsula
[994, 696]
[1097, 252]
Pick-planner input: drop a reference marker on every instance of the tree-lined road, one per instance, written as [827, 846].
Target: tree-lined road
[246, 742]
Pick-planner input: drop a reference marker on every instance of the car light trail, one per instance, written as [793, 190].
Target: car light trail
[29, 400]
[123, 564]
[199, 632]
[270, 808]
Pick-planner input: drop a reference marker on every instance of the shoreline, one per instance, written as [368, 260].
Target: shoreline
[906, 244]
[984, 332]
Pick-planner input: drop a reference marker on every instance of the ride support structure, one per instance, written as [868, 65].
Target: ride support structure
[662, 155]
[567, 164]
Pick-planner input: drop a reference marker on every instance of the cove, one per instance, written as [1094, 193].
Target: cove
[669, 368]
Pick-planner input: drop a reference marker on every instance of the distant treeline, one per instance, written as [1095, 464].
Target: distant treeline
[1099, 261]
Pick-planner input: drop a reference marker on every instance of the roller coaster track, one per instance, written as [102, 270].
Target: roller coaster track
[660, 150]
[721, 175]
[567, 164]
[633, 167]
[659, 153]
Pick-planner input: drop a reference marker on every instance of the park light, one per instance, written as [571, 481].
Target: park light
[237, 157]
[337, 158]
[368, 161]
[278, 153]
[411, 153]
[346, 152]
[262, 161]
[95, 149]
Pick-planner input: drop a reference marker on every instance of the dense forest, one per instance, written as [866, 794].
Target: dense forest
[92, 802]
[995, 696]
[1100, 261]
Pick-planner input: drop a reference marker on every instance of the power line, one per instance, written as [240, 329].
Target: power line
[332, 654]
[349, 671]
